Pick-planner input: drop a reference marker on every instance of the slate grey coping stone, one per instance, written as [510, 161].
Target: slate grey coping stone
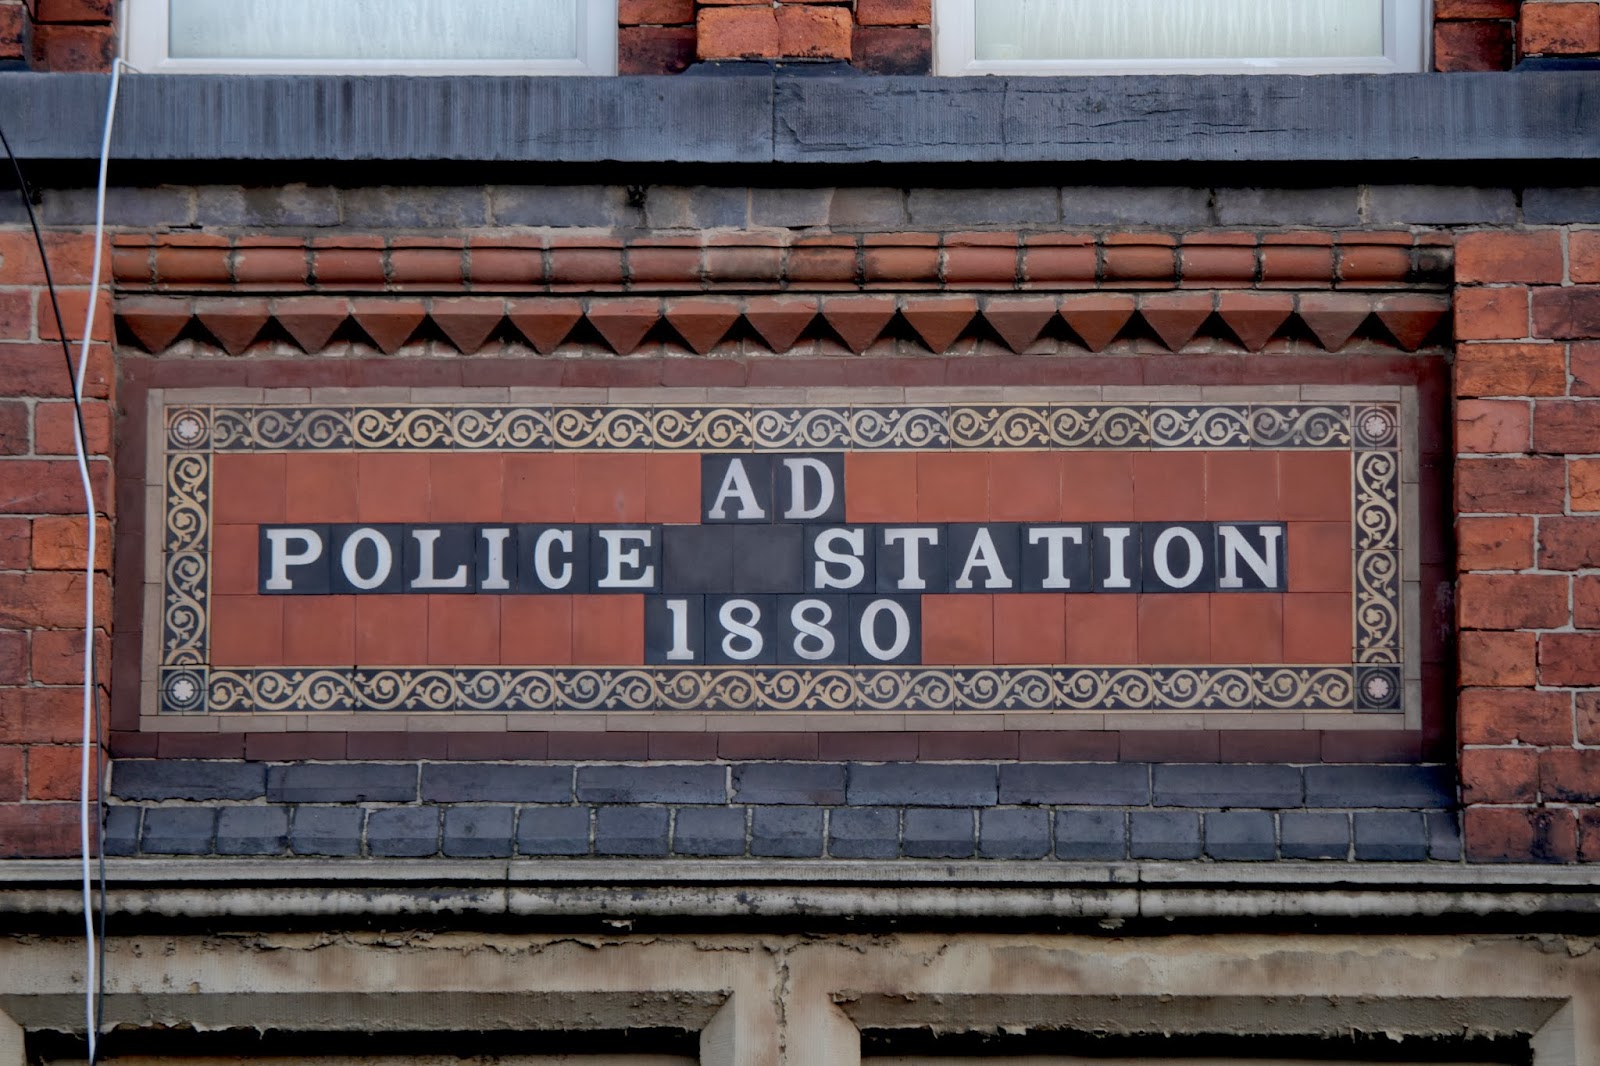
[343, 782]
[786, 832]
[479, 832]
[1395, 786]
[864, 832]
[789, 783]
[120, 835]
[1014, 833]
[465, 782]
[553, 831]
[255, 831]
[1314, 834]
[1391, 836]
[938, 833]
[922, 784]
[1223, 785]
[1082, 836]
[708, 831]
[326, 830]
[1164, 835]
[672, 783]
[1241, 836]
[396, 832]
[187, 779]
[1088, 784]
[180, 831]
[631, 830]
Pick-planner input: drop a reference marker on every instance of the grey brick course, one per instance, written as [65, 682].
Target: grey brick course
[120, 835]
[789, 782]
[1010, 833]
[1083, 836]
[1240, 836]
[652, 784]
[397, 832]
[350, 782]
[553, 831]
[640, 831]
[1391, 836]
[1543, 205]
[1380, 786]
[786, 832]
[446, 206]
[1438, 205]
[1135, 205]
[187, 779]
[1098, 784]
[1444, 836]
[479, 832]
[1314, 834]
[709, 831]
[283, 205]
[938, 833]
[252, 830]
[1040, 205]
[1217, 785]
[921, 784]
[495, 783]
[864, 832]
[563, 205]
[790, 207]
[178, 831]
[694, 207]
[1288, 207]
[326, 830]
[866, 207]
[163, 206]
[1164, 835]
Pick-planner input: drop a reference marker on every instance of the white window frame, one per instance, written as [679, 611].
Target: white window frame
[146, 26]
[1407, 31]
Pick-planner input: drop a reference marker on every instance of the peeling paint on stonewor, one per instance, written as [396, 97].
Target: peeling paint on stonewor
[769, 567]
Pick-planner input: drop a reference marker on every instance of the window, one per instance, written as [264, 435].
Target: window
[1180, 36]
[373, 36]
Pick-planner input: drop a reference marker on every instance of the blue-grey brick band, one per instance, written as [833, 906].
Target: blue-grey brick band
[786, 832]
[399, 832]
[254, 831]
[351, 782]
[864, 832]
[709, 831]
[640, 831]
[553, 831]
[187, 779]
[180, 830]
[326, 830]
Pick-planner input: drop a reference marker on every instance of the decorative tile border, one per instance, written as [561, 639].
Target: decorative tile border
[194, 426]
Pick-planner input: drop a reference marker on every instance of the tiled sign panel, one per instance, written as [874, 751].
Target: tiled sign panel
[553, 558]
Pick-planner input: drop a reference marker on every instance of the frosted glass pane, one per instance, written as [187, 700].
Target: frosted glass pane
[374, 29]
[1178, 29]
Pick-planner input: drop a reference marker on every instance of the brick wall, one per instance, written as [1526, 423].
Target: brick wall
[43, 540]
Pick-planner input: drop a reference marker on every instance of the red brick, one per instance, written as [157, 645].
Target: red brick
[48, 600]
[1560, 28]
[41, 715]
[655, 12]
[1570, 775]
[54, 772]
[1512, 601]
[11, 774]
[1586, 602]
[1499, 775]
[1515, 716]
[1586, 716]
[1569, 543]
[894, 12]
[1511, 486]
[55, 428]
[57, 656]
[1511, 834]
[38, 830]
[1481, 45]
[1501, 255]
[14, 653]
[1494, 543]
[1474, 9]
[1569, 659]
[1566, 426]
[16, 543]
[1589, 836]
[1491, 314]
[1583, 256]
[13, 428]
[11, 30]
[1492, 426]
[1585, 484]
[73, 11]
[38, 370]
[1379, 264]
[52, 486]
[737, 33]
[814, 32]
[72, 47]
[1503, 660]
[1569, 312]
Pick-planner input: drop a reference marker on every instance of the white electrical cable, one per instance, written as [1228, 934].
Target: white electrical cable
[90, 759]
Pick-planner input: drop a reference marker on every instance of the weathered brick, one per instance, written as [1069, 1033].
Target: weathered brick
[1241, 836]
[1085, 836]
[737, 33]
[1510, 370]
[1163, 835]
[563, 205]
[1512, 601]
[342, 783]
[1499, 775]
[1314, 834]
[252, 830]
[479, 832]
[1570, 775]
[808, 31]
[790, 207]
[1511, 486]
[921, 784]
[121, 833]
[655, 49]
[892, 50]
[683, 207]
[1391, 836]
[495, 783]
[62, 543]
[1514, 716]
[178, 831]
[1566, 426]
[52, 486]
[938, 833]
[1440, 205]
[786, 832]
[1568, 312]
[403, 832]
[187, 779]
[38, 830]
[553, 831]
[864, 832]
[1014, 834]
[640, 831]
[894, 12]
[1288, 207]
[709, 831]
[1560, 28]
[55, 771]
[654, 12]
[789, 782]
[1472, 45]
[1501, 255]
[1583, 256]
[1494, 543]
[1513, 834]
[984, 207]
[1106, 784]
[323, 830]
[1210, 785]
[1584, 484]
[1586, 602]
[1542, 204]
[652, 784]
[1492, 314]
[1569, 659]
[1493, 426]
[1379, 786]
[1498, 659]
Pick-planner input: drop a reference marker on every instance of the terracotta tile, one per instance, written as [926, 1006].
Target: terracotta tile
[1314, 486]
[466, 487]
[464, 630]
[320, 488]
[247, 630]
[1025, 486]
[391, 630]
[1175, 628]
[233, 560]
[607, 630]
[319, 630]
[1247, 628]
[1241, 486]
[539, 488]
[958, 630]
[1030, 629]
[1317, 627]
[1097, 487]
[672, 492]
[393, 487]
[880, 487]
[1320, 557]
[1169, 486]
[248, 488]
[952, 486]
[1102, 629]
[536, 630]
[610, 488]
